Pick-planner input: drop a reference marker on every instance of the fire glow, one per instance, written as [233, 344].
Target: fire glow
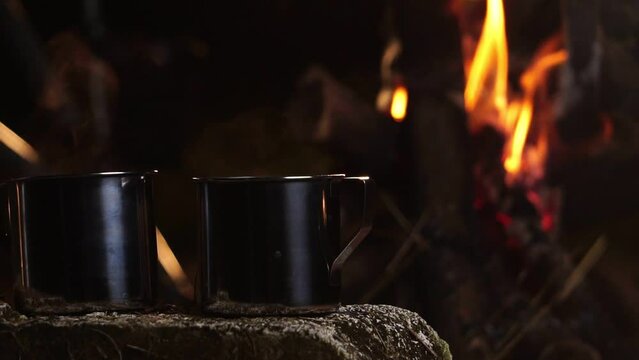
[14, 142]
[488, 101]
[172, 266]
[393, 96]
[399, 103]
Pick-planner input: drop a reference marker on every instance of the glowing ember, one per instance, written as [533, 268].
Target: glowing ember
[14, 142]
[487, 100]
[172, 266]
[399, 103]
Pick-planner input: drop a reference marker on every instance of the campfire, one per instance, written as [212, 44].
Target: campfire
[524, 116]
[490, 101]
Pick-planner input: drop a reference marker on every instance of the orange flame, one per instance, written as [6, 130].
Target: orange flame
[487, 99]
[399, 103]
[488, 74]
[530, 81]
[392, 98]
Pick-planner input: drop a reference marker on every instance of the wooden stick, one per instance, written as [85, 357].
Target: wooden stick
[575, 278]
[412, 246]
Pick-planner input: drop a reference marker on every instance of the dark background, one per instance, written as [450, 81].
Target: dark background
[239, 88]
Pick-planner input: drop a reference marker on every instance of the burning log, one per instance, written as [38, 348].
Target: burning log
[354, 332]
[511, 271]
[344, 123]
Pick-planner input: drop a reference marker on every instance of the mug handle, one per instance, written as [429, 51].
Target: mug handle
[364, 229]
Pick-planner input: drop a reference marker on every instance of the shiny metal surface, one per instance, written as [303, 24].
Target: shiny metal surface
[270, 241]
[81, 243]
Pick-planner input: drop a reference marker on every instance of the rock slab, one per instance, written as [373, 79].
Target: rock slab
[353, 332]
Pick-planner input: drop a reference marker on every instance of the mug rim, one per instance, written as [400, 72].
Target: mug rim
[104, 174]
[266, 178]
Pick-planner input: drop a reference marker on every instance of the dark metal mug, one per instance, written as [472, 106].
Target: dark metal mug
[80, 243]
[272, 245]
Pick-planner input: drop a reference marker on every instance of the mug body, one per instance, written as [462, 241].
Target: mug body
[81, 243]
[267, 244]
